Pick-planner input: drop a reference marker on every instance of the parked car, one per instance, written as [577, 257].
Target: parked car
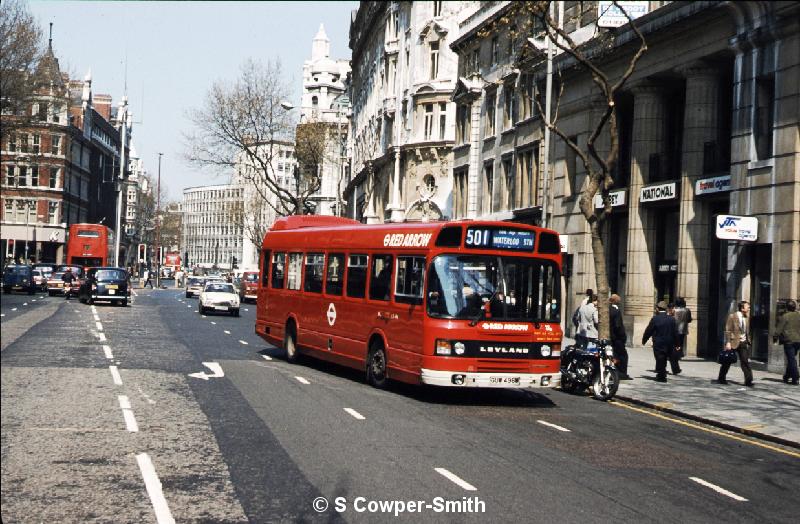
[46, 269]
[248, 290]
[39, 279]
[218, 296]
[105, 283]
[194, 286]
[18, 277]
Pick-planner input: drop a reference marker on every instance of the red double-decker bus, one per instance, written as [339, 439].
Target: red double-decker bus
[90, 245]
[468, 304]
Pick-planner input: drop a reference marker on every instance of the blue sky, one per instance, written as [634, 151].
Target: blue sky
[175, 51]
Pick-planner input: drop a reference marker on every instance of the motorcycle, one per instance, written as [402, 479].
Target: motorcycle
[592, 366]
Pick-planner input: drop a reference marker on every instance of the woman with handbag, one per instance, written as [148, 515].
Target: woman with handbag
[737, 344]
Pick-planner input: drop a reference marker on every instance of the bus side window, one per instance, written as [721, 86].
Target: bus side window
[264, 268]
[381, 278]
[315, 262]
[295, 271]
[335, 275]
[278, 262]
[410, 280]
[356, 275]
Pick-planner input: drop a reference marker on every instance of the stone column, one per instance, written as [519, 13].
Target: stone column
[700, 126]
[648, 138]
[397, 210]
[474, 174]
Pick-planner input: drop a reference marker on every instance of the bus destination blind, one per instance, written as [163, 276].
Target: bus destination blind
[496, 238]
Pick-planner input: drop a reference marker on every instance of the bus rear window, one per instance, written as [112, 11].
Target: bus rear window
[356, 275]
[88, 233]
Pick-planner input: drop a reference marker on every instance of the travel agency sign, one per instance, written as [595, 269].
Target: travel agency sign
[731, 227]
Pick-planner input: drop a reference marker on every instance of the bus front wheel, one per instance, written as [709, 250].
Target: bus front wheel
[376, 366]
[290, 344]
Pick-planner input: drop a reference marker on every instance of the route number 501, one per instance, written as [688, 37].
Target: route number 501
[477, 237]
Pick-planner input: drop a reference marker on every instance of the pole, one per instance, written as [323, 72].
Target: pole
[548, 95]
[27, 228]
[158, 225]
[124, 133]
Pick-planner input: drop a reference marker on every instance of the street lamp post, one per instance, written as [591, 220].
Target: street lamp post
[124, 133]
[28, 205]
[158, 225]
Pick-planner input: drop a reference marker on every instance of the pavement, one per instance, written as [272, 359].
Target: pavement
[768, 410]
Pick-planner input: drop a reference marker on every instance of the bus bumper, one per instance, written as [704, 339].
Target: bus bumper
[435, 377]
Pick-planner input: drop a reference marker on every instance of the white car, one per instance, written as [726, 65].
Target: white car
[219, 296]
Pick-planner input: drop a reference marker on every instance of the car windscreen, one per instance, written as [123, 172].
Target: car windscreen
[516, 288]
[110, 274]
[195, 281]
[57, 276]
[219, 288]
[17, 270]
[251, 277]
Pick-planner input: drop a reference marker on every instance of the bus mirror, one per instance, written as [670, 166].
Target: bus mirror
[433, 298]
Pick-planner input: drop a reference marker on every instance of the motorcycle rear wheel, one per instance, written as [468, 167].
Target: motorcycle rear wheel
[607, 392]
[567, 384]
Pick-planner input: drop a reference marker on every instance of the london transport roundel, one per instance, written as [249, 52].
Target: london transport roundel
[331, 314]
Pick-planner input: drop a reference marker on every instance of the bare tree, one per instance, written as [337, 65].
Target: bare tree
[243, 123]
[20, 51]
[592, 57]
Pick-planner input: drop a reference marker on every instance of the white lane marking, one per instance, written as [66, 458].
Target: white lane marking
[107, 351]
[188, 305]
[246, 309]
[243, 342]
[34, 300]
[101, 337]
[302, 380]
[267, 357]
[99, 326]
[718, 489]
[25, 304]
[204, 316]
[13, 309]
[2, 315]
[356, 414]
[149, 400]
[552, 425]
[127, 413]
[96, 318]
[115, 375]
[94, 309]
[213, 322]
[455, 479]
[216, 371]
[153, 485]
[226, 332]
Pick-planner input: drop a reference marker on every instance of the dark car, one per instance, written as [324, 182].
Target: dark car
[105, 283]
[18, 277]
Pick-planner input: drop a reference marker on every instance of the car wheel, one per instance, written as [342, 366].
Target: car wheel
[123, 302]
[290, 344]
[376, 366]
[188, 295]
[6, 290]
[235, 312]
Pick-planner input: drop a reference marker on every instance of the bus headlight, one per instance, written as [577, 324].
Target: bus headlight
[459, 348]
[443, 347]
[546, 350]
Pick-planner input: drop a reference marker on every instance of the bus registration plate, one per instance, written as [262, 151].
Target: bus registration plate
[514, 381]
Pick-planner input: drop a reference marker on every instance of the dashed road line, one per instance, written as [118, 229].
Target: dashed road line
[721, 491]
[13, 309]
[267, 357]
[25, 304]
[115, 375]
[356, 414]
[107, 351]
[214, 323]
[226, 332]
[153, 485]
[455, 479]
[99, 326]
[302, 380]
[242, 342]
[127, 413]
[549, 424]
[101, 337]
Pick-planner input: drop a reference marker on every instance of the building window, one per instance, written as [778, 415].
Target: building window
[512, 33]
[428, 121]
[475, 61]
[571, 166]
[495, 51]
[460, 193]
[42, 114]
[36, 143]
[392, 65]
[508, 106]
[437, 8]
[491, 101]
[526, 96]
[8, 216]
[392, 25]
[52, 212]
[55, 144]
[510, 198]
[23, 142]
[442, 120]
[434, 60]
[488, 188]
[11, 180]
[12, 142]
[764, 116]
[463, 123]
[22, 177]
[526, 168]
[35, 176]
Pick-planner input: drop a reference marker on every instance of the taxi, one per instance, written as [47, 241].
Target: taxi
[105, 283]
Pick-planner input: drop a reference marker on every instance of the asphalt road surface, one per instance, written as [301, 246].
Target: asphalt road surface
[154, 413]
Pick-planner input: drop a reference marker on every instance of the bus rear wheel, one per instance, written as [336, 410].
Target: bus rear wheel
[376, 366]
[290, 344]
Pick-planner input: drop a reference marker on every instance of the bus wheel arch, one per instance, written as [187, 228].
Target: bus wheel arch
[290, 340]
[377, 368]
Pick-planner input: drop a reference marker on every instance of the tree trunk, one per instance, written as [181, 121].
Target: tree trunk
[601, 278]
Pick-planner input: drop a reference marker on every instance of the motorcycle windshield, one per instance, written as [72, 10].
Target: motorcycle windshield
[517, 288]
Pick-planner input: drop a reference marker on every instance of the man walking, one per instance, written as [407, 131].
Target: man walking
[579, 339]
[683, 316]
[664, 331]
[788, 333]
[737, 337]
[587, 322]
[147, 279]
[618, 336]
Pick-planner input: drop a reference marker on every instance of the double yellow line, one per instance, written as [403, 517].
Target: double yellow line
[706, 429]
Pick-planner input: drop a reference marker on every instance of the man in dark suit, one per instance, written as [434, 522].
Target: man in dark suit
[664, 331]
[618, 336]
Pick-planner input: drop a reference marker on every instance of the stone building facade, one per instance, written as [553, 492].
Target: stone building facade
[708, 128]
[403, 74]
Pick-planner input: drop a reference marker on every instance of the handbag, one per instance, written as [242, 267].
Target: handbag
[727, 356]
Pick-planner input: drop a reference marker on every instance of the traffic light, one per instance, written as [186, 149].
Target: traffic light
[234, 263]
[142, 252]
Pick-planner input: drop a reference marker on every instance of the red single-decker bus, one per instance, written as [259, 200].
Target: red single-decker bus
[465, 304]
[90, 245]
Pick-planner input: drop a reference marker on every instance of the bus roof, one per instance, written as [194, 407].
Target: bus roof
[326, 232]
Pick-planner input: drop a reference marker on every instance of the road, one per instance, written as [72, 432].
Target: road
[110, 414]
